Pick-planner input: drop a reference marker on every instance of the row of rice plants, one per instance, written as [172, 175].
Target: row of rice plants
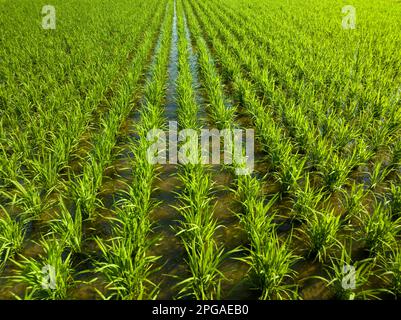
[331, 229]
[267, 255]
[291, 260]
[125, 263]
[339, 134]
[43, 138]
[198, 226]
[68, 228]
[85, 187]
[28, 197]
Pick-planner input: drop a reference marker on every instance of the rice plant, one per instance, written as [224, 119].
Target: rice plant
[28, 197]
[348, 278]
[126, 268]
[306, 200]
[379, 230]
[335, 172]
[49, 276]
[271, 262]
[85, 188]
[396, 154]
[391, 265]
[204, 260]
[320, 232]
[68, 227]
[395, 200]
[12, 234]
[197, 231]
[378, 175]
[353, 202]
[291, 170]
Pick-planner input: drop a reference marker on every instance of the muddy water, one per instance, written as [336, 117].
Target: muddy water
[170, 269]
[194, 67]
[171, 103]
[166, 218]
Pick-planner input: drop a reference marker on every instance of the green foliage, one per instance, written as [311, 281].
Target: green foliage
[48, 277]
[320, 232]
[12, 233]
[379, 229]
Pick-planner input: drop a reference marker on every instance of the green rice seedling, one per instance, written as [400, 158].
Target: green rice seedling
[197, 219]
[28, 197]
[378, 175]
[155, 89]
[12, 234]
[220, 113]
[131, 224]
[320, 233]
[248, 188]
[269, 259]
[104, 143]
[140, 198]
[395, 201]
[10, 167]
[280, 153]
[68, 227]
[379, 230]
[188, 108]
[335, 172]
[344, 133]
[363, 153]
[379, 136]
[197, 231]
[348, 279]
[318, 151]
[352, 201]
[67, 141]
[198, 182]
[144, 173]
[85, 189]
[46, 168]
[204, 260]
[271, 262]
[126, 268]
[151, 118]
[258, 215]
[125, 263]
[198, 226]
[396, 153]
[258, 220]
[290, 173]
[48, 277]
[390, 263]
[296, 123]
[306, 200]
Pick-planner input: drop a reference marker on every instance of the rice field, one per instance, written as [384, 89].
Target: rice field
[84, 214]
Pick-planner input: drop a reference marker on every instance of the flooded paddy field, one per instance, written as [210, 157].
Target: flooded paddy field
[108, 189]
